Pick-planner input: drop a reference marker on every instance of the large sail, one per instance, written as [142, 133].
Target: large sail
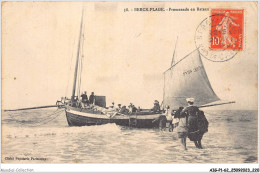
[187, 78]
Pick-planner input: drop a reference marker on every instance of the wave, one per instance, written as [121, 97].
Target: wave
[14, 132]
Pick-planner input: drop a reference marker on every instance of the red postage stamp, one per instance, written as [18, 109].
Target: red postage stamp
[227, 29]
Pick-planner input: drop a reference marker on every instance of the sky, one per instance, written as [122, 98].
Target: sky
[125, 53]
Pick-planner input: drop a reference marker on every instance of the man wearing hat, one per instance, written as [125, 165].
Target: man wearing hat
[191, 112]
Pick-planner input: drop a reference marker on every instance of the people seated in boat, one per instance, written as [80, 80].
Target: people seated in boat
[62, 100]
[92, 98]
[130, 106]
[74, 101]
[156, 107]
[113, 105]
[118, 108]
[84, 98]
[66, 101]
[79, 104]
[134, 109]
[99, 108]
[111, 108]
[130, 110]
[111, 111]
[123, 110]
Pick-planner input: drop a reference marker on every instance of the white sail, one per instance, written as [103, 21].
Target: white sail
[187, 78]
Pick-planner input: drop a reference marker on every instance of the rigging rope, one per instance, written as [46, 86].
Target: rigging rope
[81, 63]
[77, 83]
[17, 114]
[80, 67]
[80, 72]
[82, 59]
[66, 92]
[79, 77]
[49, 120]
[42, 120]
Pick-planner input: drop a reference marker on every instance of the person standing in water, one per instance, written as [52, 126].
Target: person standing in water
[192, 113]
[169, 118]
[176, 116]
[182, 129]
[203, 125]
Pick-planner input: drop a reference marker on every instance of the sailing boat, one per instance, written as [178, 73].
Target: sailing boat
[185, 78]
[98, 114]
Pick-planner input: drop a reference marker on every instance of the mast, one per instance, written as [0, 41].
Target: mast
[173, 56]
[77, 61]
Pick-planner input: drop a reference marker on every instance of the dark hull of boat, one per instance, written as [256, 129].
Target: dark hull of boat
[80, 118]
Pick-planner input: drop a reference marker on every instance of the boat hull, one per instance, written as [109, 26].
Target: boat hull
[79, 117]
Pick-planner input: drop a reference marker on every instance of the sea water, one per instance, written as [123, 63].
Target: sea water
[43, 136]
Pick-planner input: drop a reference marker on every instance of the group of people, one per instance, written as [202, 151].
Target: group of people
[133, 109]
[189, 121]
[85, 101]
[123, 109]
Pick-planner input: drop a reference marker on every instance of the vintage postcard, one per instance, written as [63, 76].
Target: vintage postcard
[129, 82]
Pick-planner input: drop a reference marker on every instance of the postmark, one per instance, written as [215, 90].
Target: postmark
[219, 37]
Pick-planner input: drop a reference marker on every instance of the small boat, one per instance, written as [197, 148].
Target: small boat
[185, 78]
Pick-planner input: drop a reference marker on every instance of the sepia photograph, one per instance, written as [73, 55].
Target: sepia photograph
[129, 82]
